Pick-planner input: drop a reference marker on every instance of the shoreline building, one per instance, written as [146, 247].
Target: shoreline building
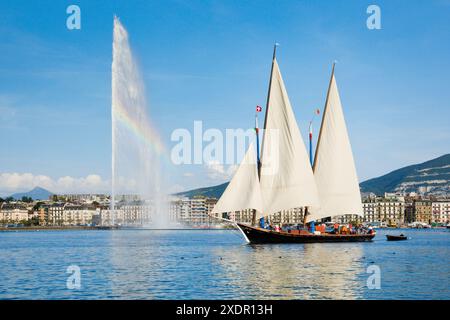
[80, 198]
[422, 211]
[193, 211]
[385, 210]
[440, 212]
[75, 214]
[56, 214]
[390, 210]
[13, 212]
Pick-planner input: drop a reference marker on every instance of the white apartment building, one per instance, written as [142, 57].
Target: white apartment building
[198, 211]
[138, 213]
[180, 209]
[193, 211]
[75, 214]
[88, 197]
[134, 213]
[56, 214]
[105, 217]
[440, 212]
[290, 216]
[392, 212]
[13, 212]
[348, 218]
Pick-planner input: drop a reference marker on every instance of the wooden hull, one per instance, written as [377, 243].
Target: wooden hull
[259, 235]
[396, 238]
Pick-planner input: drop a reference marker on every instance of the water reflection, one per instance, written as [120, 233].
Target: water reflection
[140, 263]
[294, 271]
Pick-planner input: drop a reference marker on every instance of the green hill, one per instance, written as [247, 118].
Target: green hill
[209, 192]
[430, 177]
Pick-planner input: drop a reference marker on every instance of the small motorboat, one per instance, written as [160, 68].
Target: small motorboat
[396, 238]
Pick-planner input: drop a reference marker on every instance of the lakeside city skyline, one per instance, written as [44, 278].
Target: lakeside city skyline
[54, 116]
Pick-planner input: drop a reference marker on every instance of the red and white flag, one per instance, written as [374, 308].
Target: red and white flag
[258, 109]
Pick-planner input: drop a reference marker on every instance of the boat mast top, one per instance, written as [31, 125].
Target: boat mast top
[324, 113]
[268, 100]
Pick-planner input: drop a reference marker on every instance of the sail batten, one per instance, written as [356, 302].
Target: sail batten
[286, 178]
[334, 167]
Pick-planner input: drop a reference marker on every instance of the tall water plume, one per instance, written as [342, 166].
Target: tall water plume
[136, 146]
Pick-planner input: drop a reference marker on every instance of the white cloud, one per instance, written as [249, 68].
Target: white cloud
[217, 171]
[20, 182]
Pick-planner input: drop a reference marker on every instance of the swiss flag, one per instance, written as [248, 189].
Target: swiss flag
[258, 109]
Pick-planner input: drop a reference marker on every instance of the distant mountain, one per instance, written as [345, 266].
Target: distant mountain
[430, 177]
[37, 193]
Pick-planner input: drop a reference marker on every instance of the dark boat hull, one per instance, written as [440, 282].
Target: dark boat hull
[396, 238]
[259, 235]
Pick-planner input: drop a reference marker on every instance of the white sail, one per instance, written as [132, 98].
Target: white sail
[287, 180]
[243, 191]
[334, 168]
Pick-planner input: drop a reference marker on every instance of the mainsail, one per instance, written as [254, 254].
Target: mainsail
[243, 191]
[334, 168]
[286, 178]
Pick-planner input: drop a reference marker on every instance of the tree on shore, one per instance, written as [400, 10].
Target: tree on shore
[37, 205]
[27, 199]
[34, 221]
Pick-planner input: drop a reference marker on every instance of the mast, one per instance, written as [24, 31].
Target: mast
[268, 95]
[323, 116]
[310, 143]
[265, 117]
[258, 159]
[286, 178]
[313, 162]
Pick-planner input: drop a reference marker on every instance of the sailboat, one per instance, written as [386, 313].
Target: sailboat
[283, 177]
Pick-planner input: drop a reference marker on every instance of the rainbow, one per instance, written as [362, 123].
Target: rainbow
[140, 129]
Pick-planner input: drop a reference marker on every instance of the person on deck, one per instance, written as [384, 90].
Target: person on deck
[344, 230]
[336, 228]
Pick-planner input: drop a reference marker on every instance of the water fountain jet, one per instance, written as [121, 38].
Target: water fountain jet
[136, 147]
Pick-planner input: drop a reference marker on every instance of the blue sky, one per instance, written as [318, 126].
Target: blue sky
[210, 61]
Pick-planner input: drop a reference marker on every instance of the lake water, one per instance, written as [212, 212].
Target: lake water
[217, 264]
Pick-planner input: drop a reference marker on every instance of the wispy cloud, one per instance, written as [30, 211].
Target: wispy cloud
[11, 182]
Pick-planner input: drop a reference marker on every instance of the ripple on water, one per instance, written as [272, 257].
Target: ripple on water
[218, 265]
